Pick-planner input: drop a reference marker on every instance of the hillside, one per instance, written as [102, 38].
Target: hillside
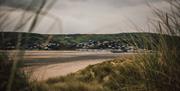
[32, 41]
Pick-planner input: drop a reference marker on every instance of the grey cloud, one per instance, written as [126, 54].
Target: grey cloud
[98, 16]
[102, 16]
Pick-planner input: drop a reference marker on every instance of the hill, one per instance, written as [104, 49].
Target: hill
[32, 41]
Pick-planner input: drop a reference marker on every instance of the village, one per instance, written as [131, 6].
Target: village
[114, 46]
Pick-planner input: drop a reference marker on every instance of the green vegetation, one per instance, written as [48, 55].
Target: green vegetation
[20, 80]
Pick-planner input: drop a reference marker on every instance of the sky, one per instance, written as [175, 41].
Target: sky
[97, 16]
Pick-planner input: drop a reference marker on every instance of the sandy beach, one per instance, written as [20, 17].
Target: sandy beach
[60, 69]
[47, 64]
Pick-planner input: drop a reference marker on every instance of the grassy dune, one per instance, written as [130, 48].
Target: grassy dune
[145, 72]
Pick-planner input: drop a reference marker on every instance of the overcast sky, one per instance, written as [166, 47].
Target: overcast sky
[97, 16]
